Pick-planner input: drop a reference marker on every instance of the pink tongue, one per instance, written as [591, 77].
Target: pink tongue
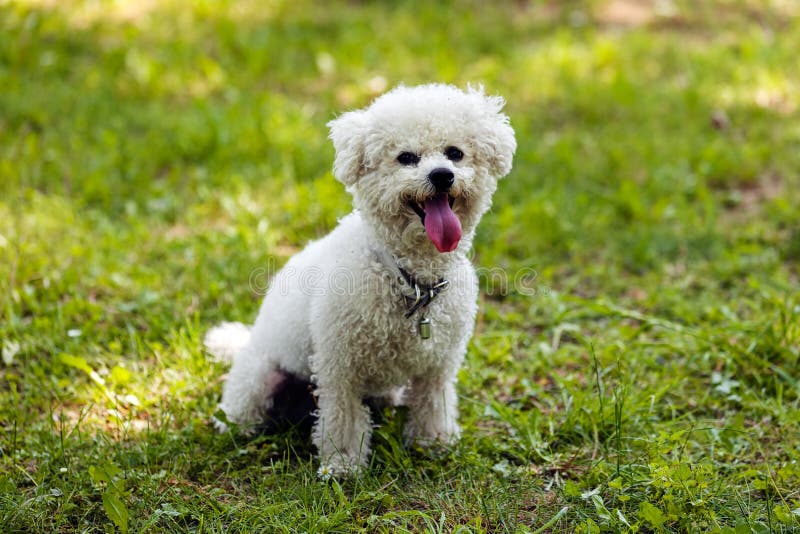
[441, 224]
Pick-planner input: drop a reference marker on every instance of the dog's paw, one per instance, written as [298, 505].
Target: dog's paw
[219, 426]
[431, 439]
[340, 465]
[222, 424]
[331, 469]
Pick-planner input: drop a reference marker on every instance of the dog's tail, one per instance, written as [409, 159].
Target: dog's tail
[226, 339]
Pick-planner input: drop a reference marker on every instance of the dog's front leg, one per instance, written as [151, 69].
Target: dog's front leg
[433, 405]
[343, 429]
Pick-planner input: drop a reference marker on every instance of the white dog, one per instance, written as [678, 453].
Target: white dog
[386, 302]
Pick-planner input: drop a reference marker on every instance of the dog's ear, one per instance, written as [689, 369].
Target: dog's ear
[348, 133]
[496, 136]
[504, 145]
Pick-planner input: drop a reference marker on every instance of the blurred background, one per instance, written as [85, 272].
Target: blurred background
[646, 129]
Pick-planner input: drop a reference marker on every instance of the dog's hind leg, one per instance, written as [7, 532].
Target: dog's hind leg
[248, 394]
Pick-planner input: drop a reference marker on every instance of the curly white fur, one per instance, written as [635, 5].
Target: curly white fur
[334, 315]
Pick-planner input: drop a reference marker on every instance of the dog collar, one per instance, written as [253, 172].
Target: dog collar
[417, 295]
[423, 293]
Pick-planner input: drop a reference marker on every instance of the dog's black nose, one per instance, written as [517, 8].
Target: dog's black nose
[442, 179]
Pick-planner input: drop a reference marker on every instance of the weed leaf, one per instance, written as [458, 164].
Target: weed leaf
[116, 511]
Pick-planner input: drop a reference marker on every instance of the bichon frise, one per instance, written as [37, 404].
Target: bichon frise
[386, 302]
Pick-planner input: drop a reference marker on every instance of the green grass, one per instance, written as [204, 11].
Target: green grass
[153, 157]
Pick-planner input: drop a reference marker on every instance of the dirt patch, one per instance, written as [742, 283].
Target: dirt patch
[747, 199]
[627, 13]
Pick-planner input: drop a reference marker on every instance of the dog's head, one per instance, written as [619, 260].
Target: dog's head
[423, 162]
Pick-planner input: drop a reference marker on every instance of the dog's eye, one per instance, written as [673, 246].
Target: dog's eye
[407, 158]
[453, 153]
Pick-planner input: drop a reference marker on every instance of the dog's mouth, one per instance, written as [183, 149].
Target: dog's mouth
[419, 207]
[440, 222]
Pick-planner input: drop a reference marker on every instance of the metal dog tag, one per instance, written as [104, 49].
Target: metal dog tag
[424, 327]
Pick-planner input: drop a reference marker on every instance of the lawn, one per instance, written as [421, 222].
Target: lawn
[159, 159]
